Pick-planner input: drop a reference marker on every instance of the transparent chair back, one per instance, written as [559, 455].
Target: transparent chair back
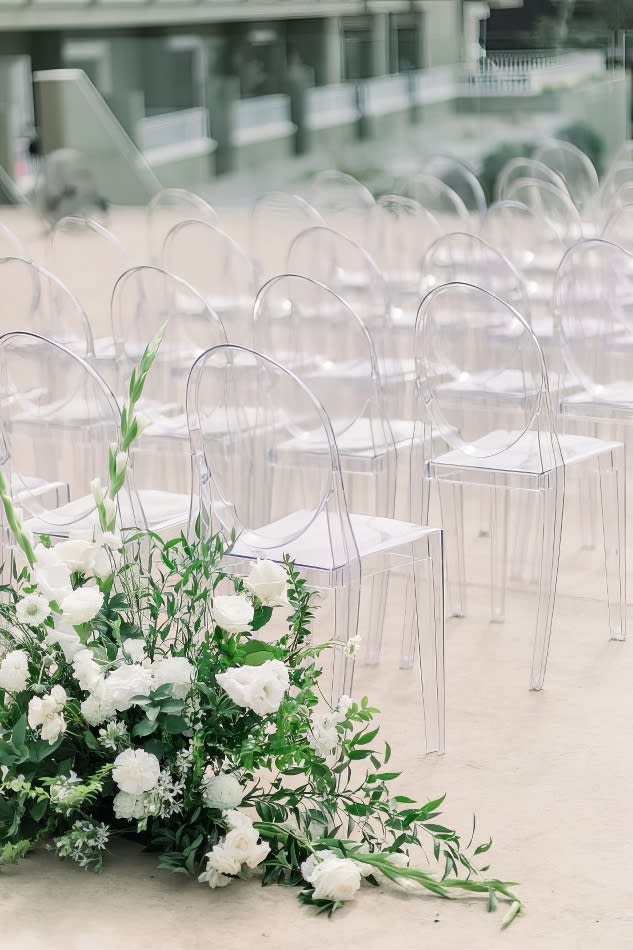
[89, 259]
[574, 167]
[460, 178]
[519, 168]
[619, 226]
[550, 205]
[37, 301]
[616, 188]
[286, 410]
[49, 476]
[10, 245]
[222, 273]
[593, 309]
[438, 198]
[468, 259]
[276, 220]
[343, 202]
[169, 207]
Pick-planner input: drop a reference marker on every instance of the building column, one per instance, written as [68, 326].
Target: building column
[474, 13]
[380, 44]
[333, 50]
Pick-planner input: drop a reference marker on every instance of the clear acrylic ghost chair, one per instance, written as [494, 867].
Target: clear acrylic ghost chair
[619, 226]
[167, 208]
[212, 262]
[144, 299]
[334, 550]
[574, 167]
[62, 454]
[461, 178]
[551, 205]
[436, 196]
[521, 451]
[276, 219]
[342, 201]
[399, 234]
[615, 189]
[10, 244]
[624, 153]
[89, 259]
[519, 168]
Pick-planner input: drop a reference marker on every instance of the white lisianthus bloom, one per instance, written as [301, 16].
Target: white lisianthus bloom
[128, 807]
[85, 669]
[111, 540]
[135, 649]
[136, 771]
[222, 791]
[213, 878]
[176, 670]
[240, 846]
[32, 610]
[233, 612]
[97, 490]
[126, 682]
[81, 605]
[268, 581]
[351, 647]
[260, 688]
[45, 712]
[51, 575]
[76, 554]
[14, 671]
[324, 737]
[334, 879]
[64, 636]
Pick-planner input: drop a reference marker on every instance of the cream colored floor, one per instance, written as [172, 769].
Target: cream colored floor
[548, 775]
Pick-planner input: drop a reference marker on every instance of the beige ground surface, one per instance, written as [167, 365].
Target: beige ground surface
[548, 776]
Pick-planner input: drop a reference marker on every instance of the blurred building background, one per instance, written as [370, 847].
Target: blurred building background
[171, 92]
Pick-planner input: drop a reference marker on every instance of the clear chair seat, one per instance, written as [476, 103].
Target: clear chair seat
[529, 455]
[506, 382]
[356, 440]
[162, 509]
[314, 549]
[609, 398]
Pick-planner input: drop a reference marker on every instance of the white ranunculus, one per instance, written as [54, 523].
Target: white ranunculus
[233, 612]
[221, 791]
[136, 771]
[45, 712]
[85, 669]
[126, 682]
[260, 688]
[135, 649]
[323, 735]
[176, 670]
[51, 575]
[64, 636]
[81, 605]
[268, 581]
[32, 610]
[335, 879]
[14, 671]
[128, 807]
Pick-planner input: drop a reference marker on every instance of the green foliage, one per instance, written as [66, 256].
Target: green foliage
[494, 162]
[584, 137]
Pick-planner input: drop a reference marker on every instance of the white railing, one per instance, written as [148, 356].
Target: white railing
[261, 118]
[386, 94]
[332, 105]
[438, 84]
[173, 128]
[529, 72]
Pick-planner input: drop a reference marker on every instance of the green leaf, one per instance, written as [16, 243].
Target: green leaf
[19, 732]
[145, 727]
[91, 741]
[175, 725]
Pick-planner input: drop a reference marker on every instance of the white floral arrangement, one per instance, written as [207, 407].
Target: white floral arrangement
[137, 700]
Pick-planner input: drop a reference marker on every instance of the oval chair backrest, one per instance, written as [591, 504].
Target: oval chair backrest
[461, 178]
[233, 464]
[276, 219]
[516, 231]
[472, 386]
[525, 168]
[400, 231]
[167, 208]
[10, 244]
[574, 167]
[437, 197]
[550, 204]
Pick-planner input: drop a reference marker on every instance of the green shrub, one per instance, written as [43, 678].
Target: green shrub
[587, 140]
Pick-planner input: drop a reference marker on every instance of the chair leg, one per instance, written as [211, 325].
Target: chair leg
[550, 554]
[428, 630]
[498, 553]
[452, 515]
[346, 614]
[613, 495]
[587, 500]
[379, 589]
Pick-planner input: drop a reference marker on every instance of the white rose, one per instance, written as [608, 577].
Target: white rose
[323, 735]
[240, 846]
[233, 612]
[136, 771]
[45, 712]
[213, 878]
[260, 688]
[85, 669]
[222, 791]
[128, 807]
[268, 581]
[32, 610]
[14, 671]
[335, 879]
[51, 575]
[126, 682]
[176, 670]
[64, 636]
[81, 605]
